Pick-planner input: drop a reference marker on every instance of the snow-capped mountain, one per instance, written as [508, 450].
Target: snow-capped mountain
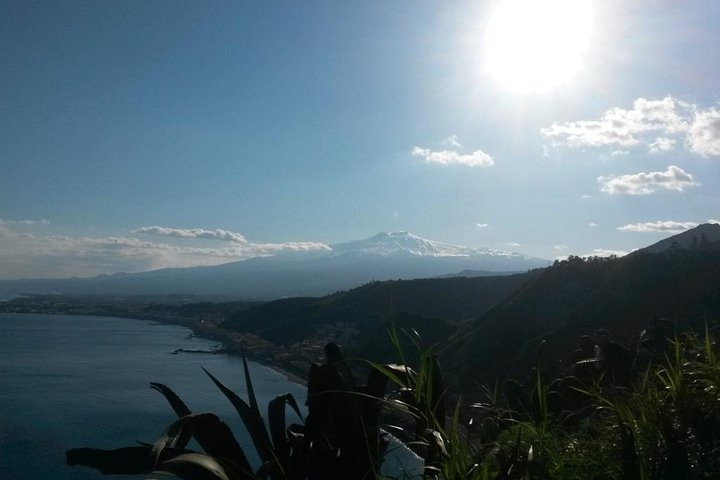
[396, 255]
[401, 243]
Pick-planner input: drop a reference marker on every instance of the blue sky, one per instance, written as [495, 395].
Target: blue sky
[144, 134]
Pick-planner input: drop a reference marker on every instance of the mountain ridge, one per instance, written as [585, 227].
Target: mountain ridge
[385, 256]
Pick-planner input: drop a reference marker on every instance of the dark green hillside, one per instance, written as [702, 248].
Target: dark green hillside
[577, 297]
[363, 311]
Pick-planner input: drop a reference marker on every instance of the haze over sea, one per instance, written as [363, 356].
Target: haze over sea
[71, 381]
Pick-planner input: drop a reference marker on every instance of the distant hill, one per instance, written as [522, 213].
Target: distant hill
[703, 236]
[475, 273]
[434, 307]
[577, 297]
[398, 255]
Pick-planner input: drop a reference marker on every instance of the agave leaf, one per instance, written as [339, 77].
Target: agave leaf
[195, 466]
[213, 435]
[121, 461]
[276, 419]
[252, 420]
[250, 389]
[175, 402]
[167, 438]
[177, 405]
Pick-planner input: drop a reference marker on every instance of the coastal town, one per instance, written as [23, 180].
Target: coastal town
[203, 318]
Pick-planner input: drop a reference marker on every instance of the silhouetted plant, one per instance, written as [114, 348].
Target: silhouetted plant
[665, 425]
[341, 437]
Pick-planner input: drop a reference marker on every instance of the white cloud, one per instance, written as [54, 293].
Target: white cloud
[604, 252]
[512, 244]
[216, 234]
[662, 144]
[241, 245]
[478, 158]
[452, 141]
[712, 220]
[674, 178]
[667, 226]
[26, 255]
[657, 125]
[593, 225]
[560, 247]
[481, 225]
[704, 135]
[41, 221]
[7, 233]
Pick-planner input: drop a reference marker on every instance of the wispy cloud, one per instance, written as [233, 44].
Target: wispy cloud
[604, 252]
[216, 234]
[240, 244]
[657, 125]
[450, 156]
[478, 158]
[7, 233]
[41, 221]
[667, 226]
[662, 144]
[593, 225]
[26, 255]
[452, 141]
[560, 247]
[674, 178]
[481, 225]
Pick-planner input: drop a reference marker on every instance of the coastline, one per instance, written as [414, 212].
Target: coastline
[405, 459]
[234, 347]
[254, 350]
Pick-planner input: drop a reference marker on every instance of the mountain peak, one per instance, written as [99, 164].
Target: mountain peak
[401, 243]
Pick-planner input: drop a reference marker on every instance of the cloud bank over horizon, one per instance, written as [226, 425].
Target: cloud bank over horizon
[27, 255]
[217, 234]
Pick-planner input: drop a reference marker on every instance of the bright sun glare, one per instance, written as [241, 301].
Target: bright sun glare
[534, 45]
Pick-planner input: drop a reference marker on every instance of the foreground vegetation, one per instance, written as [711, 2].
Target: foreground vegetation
[658, 421]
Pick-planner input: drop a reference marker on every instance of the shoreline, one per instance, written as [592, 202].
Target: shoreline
[232, 347]
[199, 328]
[212, 333]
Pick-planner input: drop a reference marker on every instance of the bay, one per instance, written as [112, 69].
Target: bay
[77, 381]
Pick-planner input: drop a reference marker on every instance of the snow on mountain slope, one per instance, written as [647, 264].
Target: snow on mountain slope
[406, 244]
[397, 255]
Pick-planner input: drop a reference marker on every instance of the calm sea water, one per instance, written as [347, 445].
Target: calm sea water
[72, 381]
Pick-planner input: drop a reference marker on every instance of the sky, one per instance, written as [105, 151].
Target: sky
[139, 134]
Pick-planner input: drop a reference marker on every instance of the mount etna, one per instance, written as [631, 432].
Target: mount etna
[398, 255]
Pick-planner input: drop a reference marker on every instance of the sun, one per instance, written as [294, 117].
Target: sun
[535, 45]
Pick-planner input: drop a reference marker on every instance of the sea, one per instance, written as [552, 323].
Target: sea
[82, 381]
